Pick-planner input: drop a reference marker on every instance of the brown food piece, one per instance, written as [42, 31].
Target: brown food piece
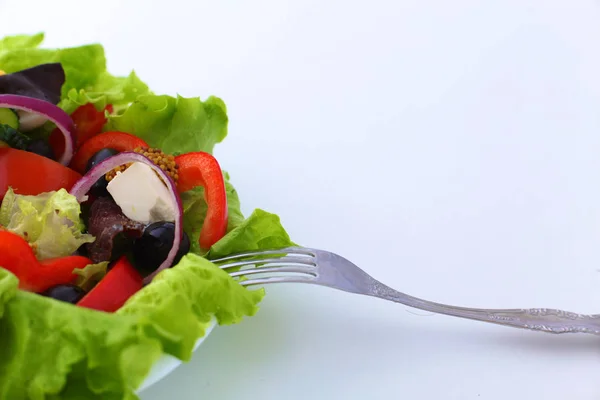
[111, 228]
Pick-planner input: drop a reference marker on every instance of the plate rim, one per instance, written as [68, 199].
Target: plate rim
[168, 363]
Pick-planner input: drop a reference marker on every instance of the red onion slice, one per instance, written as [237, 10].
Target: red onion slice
[54, 113]
[83, 186]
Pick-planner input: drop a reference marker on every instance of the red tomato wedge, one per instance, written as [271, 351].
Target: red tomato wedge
[88, 122]
[31, 174]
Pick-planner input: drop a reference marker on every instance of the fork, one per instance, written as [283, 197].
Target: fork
[320, 267]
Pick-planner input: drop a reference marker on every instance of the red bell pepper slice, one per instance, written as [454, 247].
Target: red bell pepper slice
[88, 123]
[55, 271]
[202, 169]
[17, 256]
[120, 283]
[119, 141]
[32, 174]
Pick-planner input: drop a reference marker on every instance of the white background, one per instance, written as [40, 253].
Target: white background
[450, 148]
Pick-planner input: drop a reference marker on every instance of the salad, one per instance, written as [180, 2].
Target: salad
[112, 207]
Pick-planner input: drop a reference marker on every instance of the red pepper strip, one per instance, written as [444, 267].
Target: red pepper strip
[88, 123]
[202, 169]
[119, 141]
[120, 283]
[32, 174]
[18, 257]
[56, 271]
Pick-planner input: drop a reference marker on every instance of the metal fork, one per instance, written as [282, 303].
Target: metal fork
[319, 267]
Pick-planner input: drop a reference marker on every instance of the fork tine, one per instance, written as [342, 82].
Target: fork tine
[282, 260]
[278, 279]
[259, 253]
[297, 269]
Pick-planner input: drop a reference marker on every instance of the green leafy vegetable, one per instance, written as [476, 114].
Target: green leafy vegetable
[108, 89]
[89, 276]
[19, 42]
[194, 291]
[175, 124]
[262, 230]
[8, 288]
[106, 356]
[87, 80]
[49, 221]
[83, 65]
[194, 212]
[46, 343]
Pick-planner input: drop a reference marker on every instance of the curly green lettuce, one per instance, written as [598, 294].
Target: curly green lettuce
[52, 349]
[87, 79]
[90, 275]
[50, 221]
[175, 124]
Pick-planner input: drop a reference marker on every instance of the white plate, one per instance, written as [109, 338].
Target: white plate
[167, 363]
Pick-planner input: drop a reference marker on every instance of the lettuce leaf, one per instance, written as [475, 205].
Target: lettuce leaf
[83, 65]
[50, 222]
[118, 91]
[87, 79]
[262, 230]
[21, 42]
[175, 124]
[46, 343]
[89, 276]
[194, 212]
[194, 291]
[8, 288]
[88, 354]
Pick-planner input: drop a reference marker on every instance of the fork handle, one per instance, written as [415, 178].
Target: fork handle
[536, 319]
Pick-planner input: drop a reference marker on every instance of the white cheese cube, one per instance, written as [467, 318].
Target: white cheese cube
[141, 194]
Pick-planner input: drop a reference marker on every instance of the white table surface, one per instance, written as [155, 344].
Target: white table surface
[450, 148]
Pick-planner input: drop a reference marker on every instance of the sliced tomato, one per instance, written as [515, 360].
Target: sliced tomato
[119, 141]
[31, 174]
[88, 123]
[119, 284]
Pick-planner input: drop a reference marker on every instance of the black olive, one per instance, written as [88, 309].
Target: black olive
[121, 245]
[68, 293]
[150, 250]
[41, 147]
[98, 189]
[100, 156]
